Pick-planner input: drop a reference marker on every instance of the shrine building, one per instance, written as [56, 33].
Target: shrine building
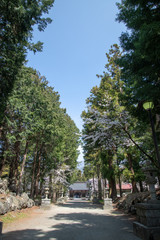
[79, 190]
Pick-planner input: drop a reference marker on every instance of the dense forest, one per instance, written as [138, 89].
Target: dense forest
[37, 135]
[38, 139]
[117, 137]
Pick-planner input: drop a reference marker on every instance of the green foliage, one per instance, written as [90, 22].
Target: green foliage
[35, 125]
[18, 18]
[78, 176]
[140, 61]
[127, 174]
[116, 139]
[89, 170]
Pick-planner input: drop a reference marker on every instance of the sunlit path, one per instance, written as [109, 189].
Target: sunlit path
[74, 220]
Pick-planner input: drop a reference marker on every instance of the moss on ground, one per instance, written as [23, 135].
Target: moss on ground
[12, 216]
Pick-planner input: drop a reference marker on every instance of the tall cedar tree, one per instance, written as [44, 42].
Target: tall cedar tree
[38, 135]
[141, 60]
[17, 19]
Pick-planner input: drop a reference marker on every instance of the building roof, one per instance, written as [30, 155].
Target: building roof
[79, 186]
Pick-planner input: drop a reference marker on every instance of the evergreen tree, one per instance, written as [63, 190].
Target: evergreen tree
[17, 20]
[140, 61]
[109, 128]
[38, 135]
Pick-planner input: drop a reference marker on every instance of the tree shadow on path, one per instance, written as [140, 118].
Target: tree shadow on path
[78, 226]
[81, 204]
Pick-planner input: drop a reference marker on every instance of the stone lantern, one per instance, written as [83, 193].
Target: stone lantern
[151, 180]
[147, 226]
[107, 200]
[46, 192]
[46, 201]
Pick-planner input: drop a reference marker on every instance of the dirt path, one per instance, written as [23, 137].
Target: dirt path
[75, 220]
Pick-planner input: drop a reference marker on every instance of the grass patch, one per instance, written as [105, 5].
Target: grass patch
[101, 201]
[12, 216]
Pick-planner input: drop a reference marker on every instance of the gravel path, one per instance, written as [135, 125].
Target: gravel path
[75, 220]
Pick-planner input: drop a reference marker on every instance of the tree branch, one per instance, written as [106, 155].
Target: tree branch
[152, 159]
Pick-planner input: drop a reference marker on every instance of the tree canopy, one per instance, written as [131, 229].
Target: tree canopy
[37, 135]
[115, 141]
[17, 19]
[141, 58]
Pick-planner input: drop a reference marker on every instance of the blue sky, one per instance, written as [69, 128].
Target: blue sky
[74, 49]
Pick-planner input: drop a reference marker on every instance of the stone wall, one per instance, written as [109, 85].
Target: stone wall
[127, 203]
[10, 202]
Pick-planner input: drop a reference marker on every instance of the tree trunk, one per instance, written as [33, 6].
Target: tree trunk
[99, 183]
[119, 179]
[16, 164]
[33, 172]
[42, 174]
[13, 170]
[134, 187]
[4, 147]
[2, 163]
[24, 182]
[38, 171]
[54, 195]
[93, 183]
[141, 186]
[120, 187]
[112, 181]
[103, 188]
[41, 187]
[50, 186]
[22, 168]
[2, 158]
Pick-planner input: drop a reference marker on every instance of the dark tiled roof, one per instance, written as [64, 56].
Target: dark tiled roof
[79, 186]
